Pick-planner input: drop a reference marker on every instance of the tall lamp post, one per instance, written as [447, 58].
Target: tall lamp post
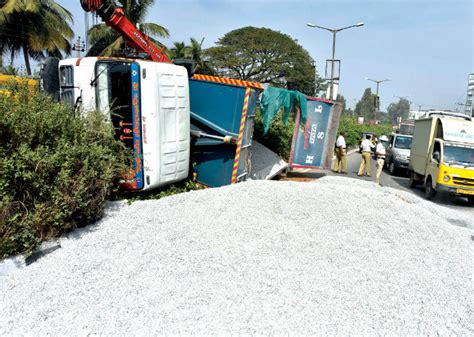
[377, 102]
[334, 32]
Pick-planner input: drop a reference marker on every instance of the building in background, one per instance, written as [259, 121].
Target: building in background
[469, 108]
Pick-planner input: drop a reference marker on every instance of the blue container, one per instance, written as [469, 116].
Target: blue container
[313, 143]
[222, 117]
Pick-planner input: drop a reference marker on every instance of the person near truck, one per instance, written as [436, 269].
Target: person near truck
[341, 155]
[380, 153]
[366, 147]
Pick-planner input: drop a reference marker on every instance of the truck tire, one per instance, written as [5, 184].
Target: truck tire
[470, 200]
[392, 168]
[411, 180]
[430, 192]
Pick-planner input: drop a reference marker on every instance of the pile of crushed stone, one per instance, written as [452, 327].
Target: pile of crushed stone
[335, 256]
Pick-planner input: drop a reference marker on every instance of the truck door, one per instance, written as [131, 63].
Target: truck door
[433, 163]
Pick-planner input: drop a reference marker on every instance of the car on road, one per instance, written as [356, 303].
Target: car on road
[398, 153]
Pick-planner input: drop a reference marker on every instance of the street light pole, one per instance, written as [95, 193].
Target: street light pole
[377, 102]
[331, 89]
[334, 32]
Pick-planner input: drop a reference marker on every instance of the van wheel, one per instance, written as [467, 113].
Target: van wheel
[411, 181]
[430, 192]
[391, 168]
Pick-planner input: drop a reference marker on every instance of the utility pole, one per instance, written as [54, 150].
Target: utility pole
[333, 60]
[79, 46]
[86, 29]
[458, 104]
[377, 98]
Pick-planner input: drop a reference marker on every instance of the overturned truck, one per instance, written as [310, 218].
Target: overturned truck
[171, 119]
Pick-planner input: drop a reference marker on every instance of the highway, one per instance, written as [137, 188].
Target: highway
[400, 181]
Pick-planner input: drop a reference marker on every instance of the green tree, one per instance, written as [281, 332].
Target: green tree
[399, 109]
[366, 105]
[266, 56]
[105, 41]
[34, 27]
[180, 50]
[192, 51]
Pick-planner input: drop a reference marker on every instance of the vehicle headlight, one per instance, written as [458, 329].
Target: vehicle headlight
[401, 157]
[446, 178]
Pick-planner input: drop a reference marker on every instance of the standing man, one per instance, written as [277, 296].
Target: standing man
[366, 146]
[380, 152]
[341, 155]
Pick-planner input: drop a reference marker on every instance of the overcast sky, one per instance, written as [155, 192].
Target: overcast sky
[424, 46]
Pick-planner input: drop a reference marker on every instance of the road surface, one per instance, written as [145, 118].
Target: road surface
[399, 181]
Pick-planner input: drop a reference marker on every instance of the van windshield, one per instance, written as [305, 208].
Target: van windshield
[458, 154]
[402, 142]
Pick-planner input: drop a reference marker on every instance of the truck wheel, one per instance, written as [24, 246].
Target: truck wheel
[391, 168]
[430, 192]
[470, 200]
[411, 181]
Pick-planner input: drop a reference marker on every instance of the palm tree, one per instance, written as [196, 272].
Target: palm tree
[34, 27]
[196, 50]
[105, 41]
[193, 51]
[181, 51]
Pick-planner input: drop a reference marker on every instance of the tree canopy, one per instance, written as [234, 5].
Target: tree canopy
[399, 109]
[266, 56]
[34, 27]
[366, 105]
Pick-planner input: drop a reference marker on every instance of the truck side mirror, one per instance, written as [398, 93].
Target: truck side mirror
[436, 156]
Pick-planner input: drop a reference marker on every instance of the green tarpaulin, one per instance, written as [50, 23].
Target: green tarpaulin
[274, 99]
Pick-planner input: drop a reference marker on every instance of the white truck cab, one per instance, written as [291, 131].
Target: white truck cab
[148, 105]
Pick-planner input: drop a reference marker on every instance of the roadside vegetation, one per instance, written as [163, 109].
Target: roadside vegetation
[56, 169]
[354, 130]
[279, 136]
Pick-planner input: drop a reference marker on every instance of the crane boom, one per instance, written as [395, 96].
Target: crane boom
[115, 17]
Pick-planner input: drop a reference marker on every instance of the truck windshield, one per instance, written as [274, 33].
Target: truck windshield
[458, 154]
[402, 142]
[114, 95]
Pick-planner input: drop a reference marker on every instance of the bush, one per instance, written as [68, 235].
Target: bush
[279, 136]
[179, 187]
[56, 170]
[354, 130]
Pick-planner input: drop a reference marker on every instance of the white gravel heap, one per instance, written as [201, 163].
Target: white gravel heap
[337, 256]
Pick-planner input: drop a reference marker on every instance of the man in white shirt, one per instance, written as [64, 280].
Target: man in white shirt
[380, 152]
[366, 146]
[341, 155]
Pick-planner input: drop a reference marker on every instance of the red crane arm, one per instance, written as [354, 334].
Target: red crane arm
[115, 17]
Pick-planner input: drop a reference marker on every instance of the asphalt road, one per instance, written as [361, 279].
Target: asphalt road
[400, 181]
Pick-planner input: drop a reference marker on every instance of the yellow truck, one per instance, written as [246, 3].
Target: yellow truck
[442, 156]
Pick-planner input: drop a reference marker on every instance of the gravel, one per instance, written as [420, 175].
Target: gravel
[336, 257]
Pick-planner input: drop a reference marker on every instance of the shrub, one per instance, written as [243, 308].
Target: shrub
[56, 170]
[179, 187]
[279, 136]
